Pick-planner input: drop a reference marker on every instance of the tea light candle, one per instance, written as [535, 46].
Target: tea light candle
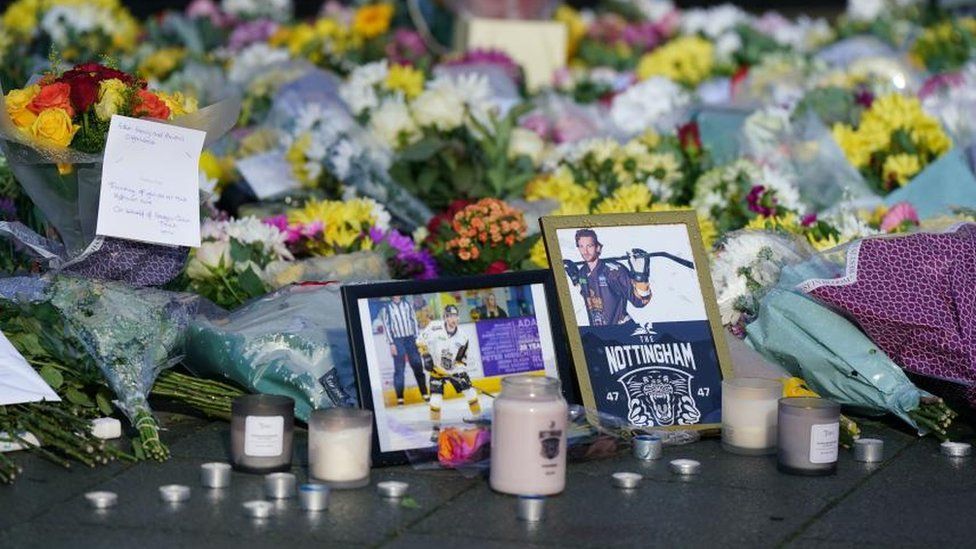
[102, 499]
[685, 466]
[868, 450]
[392, 489]
[314, 497]
[647, 447]
[749, 408]
[280, 485]
[627, 481]
[809, 433]
[174, 493]
[258, 509]
[339, 443]
[215, 474]
[956, 449]
[262, 431]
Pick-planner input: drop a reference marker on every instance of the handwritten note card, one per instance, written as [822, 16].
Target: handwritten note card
[150, 182]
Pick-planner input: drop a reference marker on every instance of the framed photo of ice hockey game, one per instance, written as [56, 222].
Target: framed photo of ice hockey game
[431, 355]
[641, 317]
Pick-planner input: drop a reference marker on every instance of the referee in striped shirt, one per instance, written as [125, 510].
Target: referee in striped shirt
[401, 329]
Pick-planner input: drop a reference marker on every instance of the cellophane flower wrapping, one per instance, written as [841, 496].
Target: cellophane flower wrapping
[915, 296]
[130, 333]
[65, 184]
[292, 342]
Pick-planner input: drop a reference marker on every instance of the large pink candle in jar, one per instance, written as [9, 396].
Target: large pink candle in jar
[528, 437]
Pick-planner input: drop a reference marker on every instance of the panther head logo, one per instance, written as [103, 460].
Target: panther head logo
[659, 396]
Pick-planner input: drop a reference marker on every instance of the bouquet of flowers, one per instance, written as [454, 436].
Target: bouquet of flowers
[487, 236]
[229, 266]
[892, 142]
[79, 31]
[615, 40]
[342, 39]
[946, 45]
[54, 132]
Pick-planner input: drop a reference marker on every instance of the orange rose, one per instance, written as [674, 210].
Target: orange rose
[149, 105]
[52, 96]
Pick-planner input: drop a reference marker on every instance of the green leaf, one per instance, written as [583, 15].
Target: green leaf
[77, 397]
[137, 449]
[422, 150]
[251, 283]
[239, 252]
[52, 377]
[409, 503]
[104, 403]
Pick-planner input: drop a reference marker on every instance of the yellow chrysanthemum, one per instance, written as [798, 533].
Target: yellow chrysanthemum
[372, 20]
[405, 79]
[628, 198]
[343, 223]
[295, 155]
[538, 256]
[899, 168]
[560, 186]
[21, 17]
[688, 60]
[162, 62]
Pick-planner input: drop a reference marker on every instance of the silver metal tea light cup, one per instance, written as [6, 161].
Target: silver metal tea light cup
[174, 493]
[868, 450]
[215, 474]
[314, 497]
[685, 466]
[627, 480]
[258, 508]
[647, 447]
[531, 508]
[102, 499]
[392, 489]
[280, 485]
[956, 449]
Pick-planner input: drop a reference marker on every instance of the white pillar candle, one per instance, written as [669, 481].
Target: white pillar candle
[339, 443]
[749, 407]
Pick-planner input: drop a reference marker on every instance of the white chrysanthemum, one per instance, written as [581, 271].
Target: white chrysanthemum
[713, 22]
[392, 122]
[61, 22]
[787, 193]
[528, 143]
[254, 60]
[654, 10]
[441, 108]
[380, 215]
[654, 103]
[726, 46]
[279, 10]
[359, 90]
[865, 11]
[721, 185]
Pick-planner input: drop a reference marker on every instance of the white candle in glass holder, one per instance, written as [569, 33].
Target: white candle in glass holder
[749, 408]
[339, 443]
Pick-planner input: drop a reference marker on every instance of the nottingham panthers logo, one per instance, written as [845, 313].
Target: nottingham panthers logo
[659, 396]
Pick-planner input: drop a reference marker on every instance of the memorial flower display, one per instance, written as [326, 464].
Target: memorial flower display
[360, 146]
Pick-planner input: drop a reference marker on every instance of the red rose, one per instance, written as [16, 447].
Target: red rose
[446, 217]
[497, 267]
[84, 80]
[149, 105]
[689, 137]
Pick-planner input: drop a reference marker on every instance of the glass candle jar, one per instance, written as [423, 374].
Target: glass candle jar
[262, 432]
[528, 437]
[809, 434]
[749, 408]
[339, 443]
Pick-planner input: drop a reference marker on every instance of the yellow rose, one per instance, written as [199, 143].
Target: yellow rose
[17, 101]
[53, 126]
[111, 97]
[178, 103]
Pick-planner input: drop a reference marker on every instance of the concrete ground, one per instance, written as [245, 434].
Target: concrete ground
[916, 497]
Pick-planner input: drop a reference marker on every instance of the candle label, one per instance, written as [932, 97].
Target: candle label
[264, 436]
[550, 440]
[823, 442]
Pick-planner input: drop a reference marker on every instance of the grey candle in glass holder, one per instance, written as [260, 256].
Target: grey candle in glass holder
[262, 432]
[808, 436]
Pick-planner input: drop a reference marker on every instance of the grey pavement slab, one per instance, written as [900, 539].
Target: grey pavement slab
[915, 498]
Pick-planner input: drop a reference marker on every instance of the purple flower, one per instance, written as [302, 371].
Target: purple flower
[643, 36]
[864, 98]
[940, 82]
[481, 56]
[407, 261]
[762, 201]
[406, 48]
[249, 32]
[8, 210]
[536, 122]
[808, 219]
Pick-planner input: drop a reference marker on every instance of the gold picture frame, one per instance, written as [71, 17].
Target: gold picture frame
[552, 228]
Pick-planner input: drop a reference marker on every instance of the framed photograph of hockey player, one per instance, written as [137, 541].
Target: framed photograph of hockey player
[432, 354]
[640, 313]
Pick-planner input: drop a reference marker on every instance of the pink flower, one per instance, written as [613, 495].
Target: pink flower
[457, 447]
[899, 216]
[808, 219]
[536, 122]
[762, 201]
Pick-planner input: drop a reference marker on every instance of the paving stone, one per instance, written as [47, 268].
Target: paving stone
[921, 499]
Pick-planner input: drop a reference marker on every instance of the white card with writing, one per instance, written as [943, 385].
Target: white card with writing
[150, 183]
[268, 174]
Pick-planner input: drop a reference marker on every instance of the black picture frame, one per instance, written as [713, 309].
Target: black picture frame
[352, 294]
